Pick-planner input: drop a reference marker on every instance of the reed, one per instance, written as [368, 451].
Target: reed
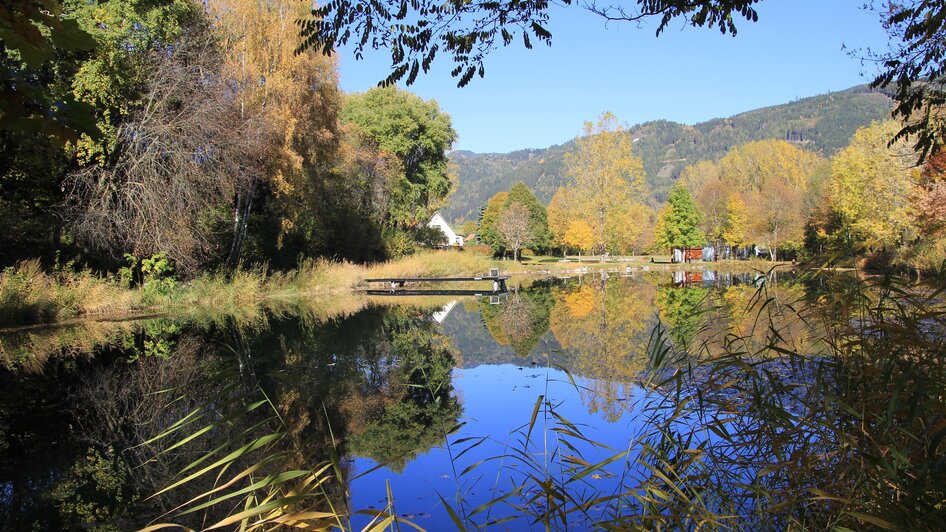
[747, 428]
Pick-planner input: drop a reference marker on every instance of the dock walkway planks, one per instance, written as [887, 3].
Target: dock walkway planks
[499, 281]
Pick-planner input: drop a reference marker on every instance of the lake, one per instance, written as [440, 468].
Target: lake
[681, 399]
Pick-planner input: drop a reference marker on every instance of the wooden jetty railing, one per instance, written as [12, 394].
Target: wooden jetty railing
[499, 281]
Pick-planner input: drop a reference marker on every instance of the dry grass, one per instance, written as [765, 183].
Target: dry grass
[30, 295]
[432, 264]
[315, 276]
[29, 350]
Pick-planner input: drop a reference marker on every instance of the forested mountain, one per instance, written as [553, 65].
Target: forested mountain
[823, 124]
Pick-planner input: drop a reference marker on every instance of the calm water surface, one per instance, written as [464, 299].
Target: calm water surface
[430, 397]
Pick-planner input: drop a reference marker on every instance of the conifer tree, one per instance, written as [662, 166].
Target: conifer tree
[679, 222]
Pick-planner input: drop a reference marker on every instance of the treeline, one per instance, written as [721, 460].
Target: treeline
[215, 143]
[823, 124]
[871, 199]
[601, 209]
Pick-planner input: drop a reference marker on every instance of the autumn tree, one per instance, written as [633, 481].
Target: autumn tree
[929, 203]
[736, 222]
[697, 175]
[713, 198]
[679, 223]
[296, 98]
[774, 179]
[605, 176]
[750, 166]
[579, 235]
[871, 184]
[559, 216]
[514, 227]
[776, 217]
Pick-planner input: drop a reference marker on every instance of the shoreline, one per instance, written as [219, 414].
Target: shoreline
[65, 299]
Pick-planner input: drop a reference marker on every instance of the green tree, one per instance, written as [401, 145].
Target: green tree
[540, 238]
[678, 225]
[130, 34]
[419, 134]
[488, 229]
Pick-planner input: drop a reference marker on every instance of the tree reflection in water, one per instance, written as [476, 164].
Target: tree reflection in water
[811, 402]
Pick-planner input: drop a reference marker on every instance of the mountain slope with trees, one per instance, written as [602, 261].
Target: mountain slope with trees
[823, 124]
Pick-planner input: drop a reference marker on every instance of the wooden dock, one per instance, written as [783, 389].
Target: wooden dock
[499, 281]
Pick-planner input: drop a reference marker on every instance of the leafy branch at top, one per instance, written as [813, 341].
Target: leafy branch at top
[415, 31]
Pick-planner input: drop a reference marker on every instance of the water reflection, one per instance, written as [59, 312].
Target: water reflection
[398, 391]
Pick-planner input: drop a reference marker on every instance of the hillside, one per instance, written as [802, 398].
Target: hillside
[820, 123]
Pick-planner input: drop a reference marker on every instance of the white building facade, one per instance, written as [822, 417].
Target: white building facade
[453, 239]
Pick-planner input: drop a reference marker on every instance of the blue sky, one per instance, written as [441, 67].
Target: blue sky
[540, 97]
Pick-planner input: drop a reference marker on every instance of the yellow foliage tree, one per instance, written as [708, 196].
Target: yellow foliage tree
[736, 223]
[872, 183]
[695, 176]
[580, 236]
[625, 227]
[752, 165]
[606, 176]
[559, 214]
[296, 95]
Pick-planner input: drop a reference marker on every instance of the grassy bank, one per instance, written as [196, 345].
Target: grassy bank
[29, 295]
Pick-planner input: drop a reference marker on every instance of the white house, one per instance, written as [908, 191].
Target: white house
[442, 314]
[453, 239]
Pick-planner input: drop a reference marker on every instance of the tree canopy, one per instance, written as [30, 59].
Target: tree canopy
[607, 185]
[419, 134]
[872, 184]
[679, 223]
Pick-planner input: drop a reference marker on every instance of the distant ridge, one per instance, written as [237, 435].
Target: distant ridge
[822, 123]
